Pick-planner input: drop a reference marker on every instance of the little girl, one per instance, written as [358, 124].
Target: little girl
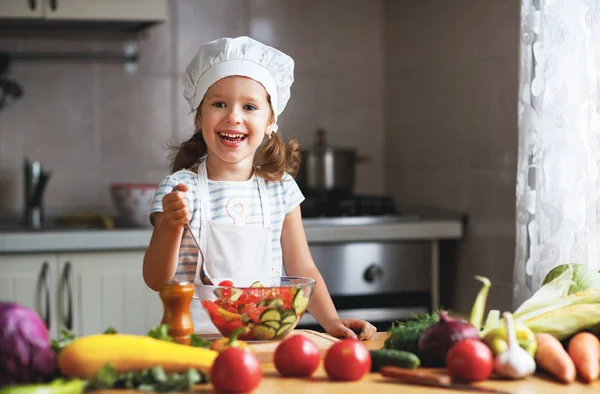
[232, 182]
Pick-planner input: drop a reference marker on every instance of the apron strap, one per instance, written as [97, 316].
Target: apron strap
[264, 201]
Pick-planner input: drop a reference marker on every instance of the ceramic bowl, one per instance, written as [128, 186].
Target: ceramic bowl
[133, 202]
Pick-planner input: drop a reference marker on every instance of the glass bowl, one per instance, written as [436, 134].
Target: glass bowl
[269, 313]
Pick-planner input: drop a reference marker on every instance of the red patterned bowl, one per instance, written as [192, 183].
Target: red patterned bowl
[133, 202]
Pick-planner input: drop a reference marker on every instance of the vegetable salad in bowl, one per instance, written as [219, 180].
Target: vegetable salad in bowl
[269, 313]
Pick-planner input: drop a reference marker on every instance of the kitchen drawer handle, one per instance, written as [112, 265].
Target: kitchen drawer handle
[32, 4]
[53, 4]
[44, 281]
[66, 282]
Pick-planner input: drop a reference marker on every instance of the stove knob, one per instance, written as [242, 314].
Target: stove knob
[373, 273]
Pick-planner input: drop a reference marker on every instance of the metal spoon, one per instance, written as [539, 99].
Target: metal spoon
[204, 278]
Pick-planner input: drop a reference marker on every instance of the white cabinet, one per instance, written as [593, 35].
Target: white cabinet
[83, 292]
[93, 10]
[107, 289]
[30, 280]
[21, 9]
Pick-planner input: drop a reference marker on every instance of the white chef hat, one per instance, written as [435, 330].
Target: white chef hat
[241, 56]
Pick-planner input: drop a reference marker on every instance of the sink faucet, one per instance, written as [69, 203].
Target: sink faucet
[36, 178]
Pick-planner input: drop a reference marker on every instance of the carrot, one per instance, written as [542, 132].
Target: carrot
[584, 349]
[553, 358]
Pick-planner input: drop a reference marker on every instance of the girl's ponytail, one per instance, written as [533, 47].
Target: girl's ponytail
[189, 152]
[275, 158]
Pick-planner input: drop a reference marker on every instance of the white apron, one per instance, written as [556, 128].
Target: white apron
[231, 251]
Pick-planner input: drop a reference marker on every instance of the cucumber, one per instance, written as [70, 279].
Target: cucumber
[300, 302]
[272, 323]
[256, 284]
[284, 329]
[393, 357]
[275, 302]
[262, 332]
[270, 314]
[289, 319]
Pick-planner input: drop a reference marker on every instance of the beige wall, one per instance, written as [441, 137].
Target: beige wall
[451, 72]
[94, 125]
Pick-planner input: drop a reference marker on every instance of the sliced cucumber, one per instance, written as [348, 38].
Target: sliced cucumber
[284, 329]
[270, 314]
[300, 302]
[256, 284]
[275, 302]
[272, 323]
[290, 319]
[262, 332]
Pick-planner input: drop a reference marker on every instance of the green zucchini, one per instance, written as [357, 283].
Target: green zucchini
[300, 302]
[393, 357]
[270, 314]
[262, 332]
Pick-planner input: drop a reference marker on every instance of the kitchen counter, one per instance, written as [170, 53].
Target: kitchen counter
[374, 382]
[317, 231]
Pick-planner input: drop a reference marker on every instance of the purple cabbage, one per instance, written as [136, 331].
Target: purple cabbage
[25, 352]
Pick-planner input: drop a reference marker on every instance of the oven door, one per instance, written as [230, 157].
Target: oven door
[380, 282]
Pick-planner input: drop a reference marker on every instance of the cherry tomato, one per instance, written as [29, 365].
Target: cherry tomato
[347, 360]
[236, 370]
[297, 356]
[470, 360]
[226, 283]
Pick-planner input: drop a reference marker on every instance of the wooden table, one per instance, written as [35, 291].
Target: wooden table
[374, 382]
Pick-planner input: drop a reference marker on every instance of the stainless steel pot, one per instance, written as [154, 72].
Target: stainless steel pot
[327, 169]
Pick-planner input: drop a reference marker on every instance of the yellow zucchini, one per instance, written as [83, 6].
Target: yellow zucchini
[84, 357]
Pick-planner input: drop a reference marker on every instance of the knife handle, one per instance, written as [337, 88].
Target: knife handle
[415, 376]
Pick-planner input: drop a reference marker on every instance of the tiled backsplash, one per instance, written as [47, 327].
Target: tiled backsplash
[93, 124]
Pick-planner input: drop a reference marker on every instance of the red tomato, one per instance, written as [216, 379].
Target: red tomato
[470, 360]
[297, 356]
[347, 360]
[235, 370]
[226, 283]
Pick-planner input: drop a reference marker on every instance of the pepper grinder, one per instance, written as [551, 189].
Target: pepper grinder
[176, 298]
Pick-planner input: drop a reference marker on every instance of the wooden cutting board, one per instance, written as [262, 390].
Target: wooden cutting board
[264, 350]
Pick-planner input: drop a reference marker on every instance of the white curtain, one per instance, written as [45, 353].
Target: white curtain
[558, 179]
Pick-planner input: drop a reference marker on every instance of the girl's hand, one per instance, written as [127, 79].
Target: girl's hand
[175, 210]
[346, 327]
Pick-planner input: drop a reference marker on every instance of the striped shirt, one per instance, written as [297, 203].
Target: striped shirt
[284, 196]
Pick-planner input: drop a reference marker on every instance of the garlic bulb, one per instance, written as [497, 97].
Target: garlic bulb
[515, 362]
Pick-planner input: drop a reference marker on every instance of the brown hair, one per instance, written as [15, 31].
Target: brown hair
[272, 160]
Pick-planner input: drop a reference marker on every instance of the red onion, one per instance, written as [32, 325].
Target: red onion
[436, 340]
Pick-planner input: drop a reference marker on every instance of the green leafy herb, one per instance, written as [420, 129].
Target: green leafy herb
[161, 332]
[63, 340]
[198, 341]
[404, 335]
[154, 380]
[110, 330]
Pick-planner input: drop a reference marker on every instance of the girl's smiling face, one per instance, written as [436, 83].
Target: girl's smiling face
[234, 116]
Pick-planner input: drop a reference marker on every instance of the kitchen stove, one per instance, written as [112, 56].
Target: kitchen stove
[347, 205]
[378, 281]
